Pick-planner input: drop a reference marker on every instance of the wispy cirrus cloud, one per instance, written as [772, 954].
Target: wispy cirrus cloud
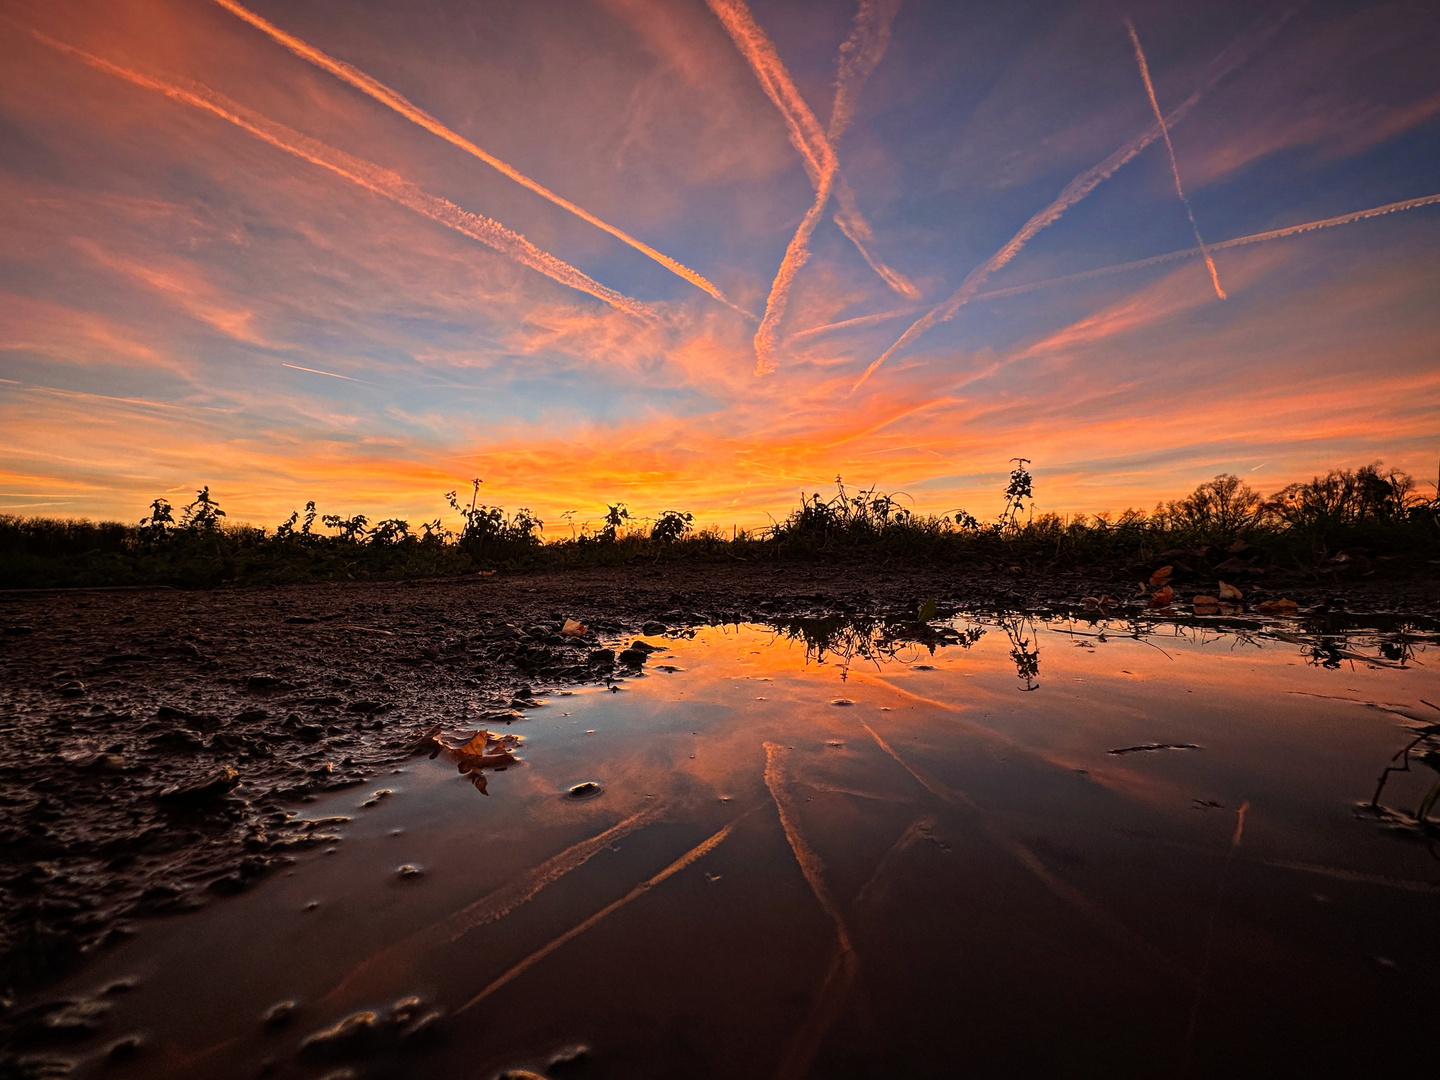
[1237, 53]
[807, 136]
[396, 101]
[372, 177]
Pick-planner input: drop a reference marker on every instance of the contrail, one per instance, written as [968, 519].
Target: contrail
[858, 56]
[805, 132]
[1102, 271]
[370, 176]
[1235, 54]
[396, 101]
[1170, 150]
[317, 371]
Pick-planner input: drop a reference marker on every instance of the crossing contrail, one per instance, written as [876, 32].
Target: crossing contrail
[1350, 218]
[394, 100]
[1170, 150]
[1235, 54]
[858, 56]
[805, 132]
[367, 175]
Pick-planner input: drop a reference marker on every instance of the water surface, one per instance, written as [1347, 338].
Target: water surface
[1023, 848]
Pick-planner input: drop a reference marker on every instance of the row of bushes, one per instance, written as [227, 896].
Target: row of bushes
[1320, 527]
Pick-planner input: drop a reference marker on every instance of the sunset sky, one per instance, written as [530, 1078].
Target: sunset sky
[701, 255]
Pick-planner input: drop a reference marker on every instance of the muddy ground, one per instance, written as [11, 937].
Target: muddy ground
[157, 745]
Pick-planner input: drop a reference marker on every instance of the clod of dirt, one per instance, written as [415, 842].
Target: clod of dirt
[279, 1014]
[73, 688]
[568, 1059]
[633, 658]
[654, 629]
[350, 1035]
[213, 785]
[842, 701]
[409, 872]
[260, 683]
[643, 646]
[123, 1050]
[587, 789]
[601, 657]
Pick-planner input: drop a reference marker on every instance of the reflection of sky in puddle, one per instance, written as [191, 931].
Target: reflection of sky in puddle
[856, 854]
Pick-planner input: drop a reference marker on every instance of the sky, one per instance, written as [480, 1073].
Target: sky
[708, 254]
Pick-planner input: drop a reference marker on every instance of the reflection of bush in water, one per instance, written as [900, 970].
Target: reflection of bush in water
[874, 638]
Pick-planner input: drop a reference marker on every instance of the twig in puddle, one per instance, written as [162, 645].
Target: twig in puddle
[699, 851]
[496, 905]
[1148, 747]
[840, 977]
[1210, 936]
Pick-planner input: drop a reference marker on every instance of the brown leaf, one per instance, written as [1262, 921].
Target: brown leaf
[1162, 597]
[485, 750]
[1206, 601]
[1229, 592]
[1278, 607]
[1159, 577]
[574, 628]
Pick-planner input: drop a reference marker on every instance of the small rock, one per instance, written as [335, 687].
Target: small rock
[601, 657]
[409, 872]
[643, 646]
[633, 658]
[123, 1050]
[73, 688]
[587, 789]
[653, 629]
[18, 629]
[177, 742]
[279, 1014]
[352, 1033]
[212, 786]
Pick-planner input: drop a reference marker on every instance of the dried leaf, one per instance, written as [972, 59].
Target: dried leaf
[574, 628]
[486, 750]
[1278, 607]
[1162, 597]
[1159, 577]
[1206, 601]
[1229, 592]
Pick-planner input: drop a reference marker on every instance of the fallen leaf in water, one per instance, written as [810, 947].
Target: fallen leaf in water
[573, 628]
[1159, 577]
[1209, 604]
[1162, 597]
[1229, 592]
[1278, 607]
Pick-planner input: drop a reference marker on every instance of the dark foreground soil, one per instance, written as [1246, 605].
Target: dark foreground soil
[155, 744]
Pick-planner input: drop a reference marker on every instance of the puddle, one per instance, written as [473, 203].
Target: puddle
[990, 847]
